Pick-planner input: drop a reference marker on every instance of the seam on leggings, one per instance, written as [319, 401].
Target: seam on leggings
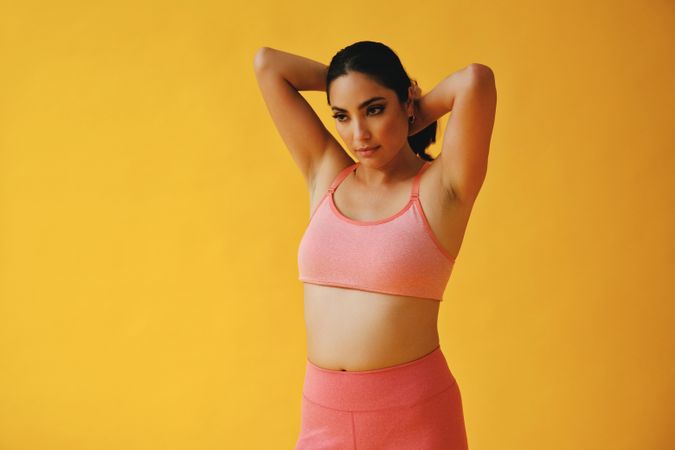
[419, 402]
[324, 406]
[353, 429]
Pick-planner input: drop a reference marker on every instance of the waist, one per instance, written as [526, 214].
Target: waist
[356, 330]
[396, 386]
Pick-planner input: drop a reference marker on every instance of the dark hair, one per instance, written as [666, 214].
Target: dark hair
[379, 62]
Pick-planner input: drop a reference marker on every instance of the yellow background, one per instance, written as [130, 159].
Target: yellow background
[150, 217]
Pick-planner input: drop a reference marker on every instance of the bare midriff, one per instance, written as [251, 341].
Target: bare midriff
[355, 330]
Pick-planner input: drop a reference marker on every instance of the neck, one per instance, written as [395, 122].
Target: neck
[403, 166]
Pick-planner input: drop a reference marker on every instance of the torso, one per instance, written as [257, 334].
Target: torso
[354, 330]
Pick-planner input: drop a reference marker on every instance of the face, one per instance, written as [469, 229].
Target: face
[368, 114]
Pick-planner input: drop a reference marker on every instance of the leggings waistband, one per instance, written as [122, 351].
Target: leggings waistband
[400, 385]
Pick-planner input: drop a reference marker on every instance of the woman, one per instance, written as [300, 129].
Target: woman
[381, 240]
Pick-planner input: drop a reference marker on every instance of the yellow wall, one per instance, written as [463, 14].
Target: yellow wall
[150, 217]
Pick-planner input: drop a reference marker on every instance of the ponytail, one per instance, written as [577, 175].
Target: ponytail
[423, 139]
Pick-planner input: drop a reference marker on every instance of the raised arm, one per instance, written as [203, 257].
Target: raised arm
[281, 76]
[471, 95]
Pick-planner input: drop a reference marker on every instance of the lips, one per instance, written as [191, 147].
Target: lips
[365, 149]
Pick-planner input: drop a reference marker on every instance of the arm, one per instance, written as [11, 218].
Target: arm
[439, 101]
[281, 76]
[471, 95]
[302, 73]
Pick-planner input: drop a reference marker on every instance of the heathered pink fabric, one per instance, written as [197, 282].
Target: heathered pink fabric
[415, 405]
[397, 255]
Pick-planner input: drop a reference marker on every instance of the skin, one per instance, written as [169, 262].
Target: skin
[373, 125]
[354, 330]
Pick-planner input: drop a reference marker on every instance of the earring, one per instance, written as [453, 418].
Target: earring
[411, 119]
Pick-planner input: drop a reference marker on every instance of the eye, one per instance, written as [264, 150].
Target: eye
[379, 108]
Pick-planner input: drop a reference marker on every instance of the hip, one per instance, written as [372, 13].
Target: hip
[416, 404]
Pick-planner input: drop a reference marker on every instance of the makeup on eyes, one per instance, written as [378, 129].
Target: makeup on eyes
[378, 107]
[362, 105]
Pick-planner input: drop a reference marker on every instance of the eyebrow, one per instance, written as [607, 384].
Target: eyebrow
[363, 104]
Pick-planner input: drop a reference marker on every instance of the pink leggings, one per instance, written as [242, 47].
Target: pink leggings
[414, 405]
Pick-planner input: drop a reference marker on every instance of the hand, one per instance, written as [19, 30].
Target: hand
[416, 91]
[416, 95]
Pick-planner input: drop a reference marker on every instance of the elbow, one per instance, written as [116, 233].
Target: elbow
[481, 73]
[260, 58]
[479, 69]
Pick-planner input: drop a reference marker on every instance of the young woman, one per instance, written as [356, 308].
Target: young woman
[381, 240]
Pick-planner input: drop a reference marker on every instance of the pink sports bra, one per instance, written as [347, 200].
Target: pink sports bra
[397, 255]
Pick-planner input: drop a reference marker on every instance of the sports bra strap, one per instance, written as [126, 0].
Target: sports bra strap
[416, 182]
[347, 170]
[341, 176]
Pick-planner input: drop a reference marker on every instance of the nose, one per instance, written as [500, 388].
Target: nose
[361, 132]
